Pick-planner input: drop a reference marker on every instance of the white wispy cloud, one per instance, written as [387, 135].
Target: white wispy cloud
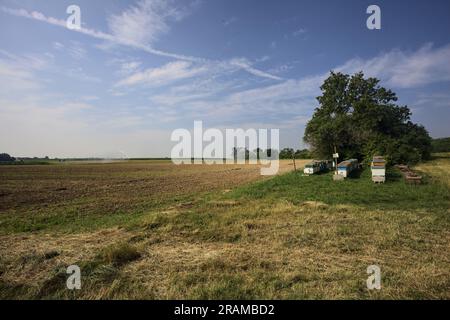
[433, 99]
[396, 69]
[173, 100]
[289, 89]
[17, 72]
[129, 67]
[245, 65]
[178, 70]
[293, 99]
[165, 74]
[79, 74]
[227, 22]
[35, 15]
[199, 89]
[63, 129]
[58, 45]
[77, 51]
[25, 61]
[89, 98]
[402, 69]
[299, 32]
[146, 21]
[281, 68]
[133, 28]
[14, 79]
[125, 66]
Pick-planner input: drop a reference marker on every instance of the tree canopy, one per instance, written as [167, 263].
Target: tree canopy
[360, 118]
[441, 145]
[4, 157]
[289, 153]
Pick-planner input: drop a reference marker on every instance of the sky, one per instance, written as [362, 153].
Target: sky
[137, 70]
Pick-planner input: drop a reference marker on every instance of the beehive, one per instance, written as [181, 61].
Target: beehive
[347, 166]
[317, 166]
[378, 167]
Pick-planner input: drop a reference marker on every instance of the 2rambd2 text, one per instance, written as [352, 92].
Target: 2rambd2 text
[226, 309]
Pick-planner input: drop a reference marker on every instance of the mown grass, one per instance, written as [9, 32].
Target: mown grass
[289, 237]
[80, 215]
[101, 276]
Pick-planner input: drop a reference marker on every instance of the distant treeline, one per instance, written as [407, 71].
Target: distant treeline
[258, 153]
[289, 153]
[438, 145]
[166, 158]
[286, 153]
[7, 159]
[4, 157]
[441, 145]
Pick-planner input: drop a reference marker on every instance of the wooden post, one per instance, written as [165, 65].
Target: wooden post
[335, 159]
[293, 159]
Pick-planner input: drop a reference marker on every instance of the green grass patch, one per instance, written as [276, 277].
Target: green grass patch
[359, 191]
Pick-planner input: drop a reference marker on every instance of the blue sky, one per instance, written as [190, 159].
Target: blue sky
[140, 69]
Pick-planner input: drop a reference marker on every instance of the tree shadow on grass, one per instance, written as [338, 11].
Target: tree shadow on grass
[393, 175]
[355, 174]
[438, 156]
[323, 172]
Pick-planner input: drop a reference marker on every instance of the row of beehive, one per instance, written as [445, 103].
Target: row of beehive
[344, 168]
[378, 167]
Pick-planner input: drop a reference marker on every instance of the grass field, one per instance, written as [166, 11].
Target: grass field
[152, 230]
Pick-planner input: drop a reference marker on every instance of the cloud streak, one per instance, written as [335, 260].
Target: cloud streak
[165, 74]
[146, 21]
[245, 65]
[132, 32]
[401, 69]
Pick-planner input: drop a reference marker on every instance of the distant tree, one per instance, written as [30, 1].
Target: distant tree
[360, 119]
[235, 153]
[247, 154]
[303, 154]
[286, 153]
[4, 157]
[441, 145]
[289, 153]
[258, 152]
[241, 153]
[271, 153]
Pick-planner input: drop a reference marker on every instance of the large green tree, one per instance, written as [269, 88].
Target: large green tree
[360, 118]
